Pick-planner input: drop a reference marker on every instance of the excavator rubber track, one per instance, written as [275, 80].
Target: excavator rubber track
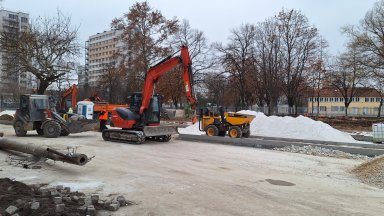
[124, 136]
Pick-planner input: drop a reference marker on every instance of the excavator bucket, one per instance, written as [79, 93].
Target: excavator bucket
[150, 131]
[81, 125]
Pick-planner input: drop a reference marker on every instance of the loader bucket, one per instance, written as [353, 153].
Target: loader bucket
[159, 130]
[81, 125]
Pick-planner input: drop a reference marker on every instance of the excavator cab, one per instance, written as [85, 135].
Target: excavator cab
[152, 114]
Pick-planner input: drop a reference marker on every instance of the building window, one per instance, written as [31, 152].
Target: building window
[366, 99]
[336, 99]
[341, 109]
[326, 99]
[24, 19]
[323, 108]
[378, 100]
[341, 99]
[334, 108]
[321, 99]
[357, 99]
[310, 99]
[372, 100]
[331, 99]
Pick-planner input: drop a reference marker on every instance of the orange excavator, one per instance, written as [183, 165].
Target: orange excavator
[142, 120]
[69, 99]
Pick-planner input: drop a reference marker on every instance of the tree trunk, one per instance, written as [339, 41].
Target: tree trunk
[42, 87]
[291, 103]
[379, 111]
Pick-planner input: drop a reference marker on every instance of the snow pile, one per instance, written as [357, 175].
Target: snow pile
[7, 115]
[8, 112]
[286, 127]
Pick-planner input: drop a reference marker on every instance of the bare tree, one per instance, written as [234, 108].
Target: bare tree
[299, 45]
[145, 32]
[44, 50]
[347, 75]
[267, 75]
[112, 82]
[317, 73]
[199, 50]
[237, 59]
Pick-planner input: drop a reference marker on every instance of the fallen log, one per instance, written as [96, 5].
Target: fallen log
[44, 152]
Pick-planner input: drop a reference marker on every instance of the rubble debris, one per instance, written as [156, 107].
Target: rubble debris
[20, 199]
[318, 151]
[371, 172]
[44, 152]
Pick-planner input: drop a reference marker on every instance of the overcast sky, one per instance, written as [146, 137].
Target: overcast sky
[214, 17]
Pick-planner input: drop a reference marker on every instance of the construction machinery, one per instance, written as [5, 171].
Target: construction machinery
[34, 113]
[219, 123]
[142, 120]
[68, 99]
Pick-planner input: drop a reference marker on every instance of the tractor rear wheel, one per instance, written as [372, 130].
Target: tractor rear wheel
[212, 130]
[234, 132]
[52, 129]
[19, 128]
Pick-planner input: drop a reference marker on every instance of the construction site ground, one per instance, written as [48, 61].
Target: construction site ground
[195, 178]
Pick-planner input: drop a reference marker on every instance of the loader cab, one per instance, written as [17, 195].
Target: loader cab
[34, 107]
[152, 114]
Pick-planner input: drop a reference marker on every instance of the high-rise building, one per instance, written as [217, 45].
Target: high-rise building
[100, 50]
[12, 22]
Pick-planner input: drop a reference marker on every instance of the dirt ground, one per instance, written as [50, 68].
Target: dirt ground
[350, 124]
[188, 178]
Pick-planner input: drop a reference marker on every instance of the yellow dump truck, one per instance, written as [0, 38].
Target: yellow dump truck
[217, 124]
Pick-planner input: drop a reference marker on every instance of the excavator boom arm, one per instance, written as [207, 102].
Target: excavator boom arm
[155, 72]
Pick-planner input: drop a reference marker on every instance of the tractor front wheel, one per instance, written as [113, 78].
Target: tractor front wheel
[52, 129]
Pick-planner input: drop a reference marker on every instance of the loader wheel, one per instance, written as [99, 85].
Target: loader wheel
[234, 132]
[64, 132]
[52, 129]
[212, 130]
[40, 131]
[19, 128]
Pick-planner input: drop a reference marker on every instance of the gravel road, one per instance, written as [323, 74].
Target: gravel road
[189, 178]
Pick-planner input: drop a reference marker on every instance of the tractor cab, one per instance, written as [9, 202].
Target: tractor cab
[34, 107]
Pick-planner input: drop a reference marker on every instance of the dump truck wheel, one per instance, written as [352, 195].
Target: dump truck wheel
[247, 134]
[64, 132]
[40, 131]
[212, 130]
[19, 128]
[52, 129]
[234, 132]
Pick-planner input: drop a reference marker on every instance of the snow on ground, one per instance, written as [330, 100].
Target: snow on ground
[286, 127]
[8, 112]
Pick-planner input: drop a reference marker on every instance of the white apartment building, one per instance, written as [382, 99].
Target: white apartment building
[100, 49]
[12, 22]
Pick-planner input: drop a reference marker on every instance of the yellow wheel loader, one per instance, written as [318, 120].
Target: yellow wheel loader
[217, 124]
